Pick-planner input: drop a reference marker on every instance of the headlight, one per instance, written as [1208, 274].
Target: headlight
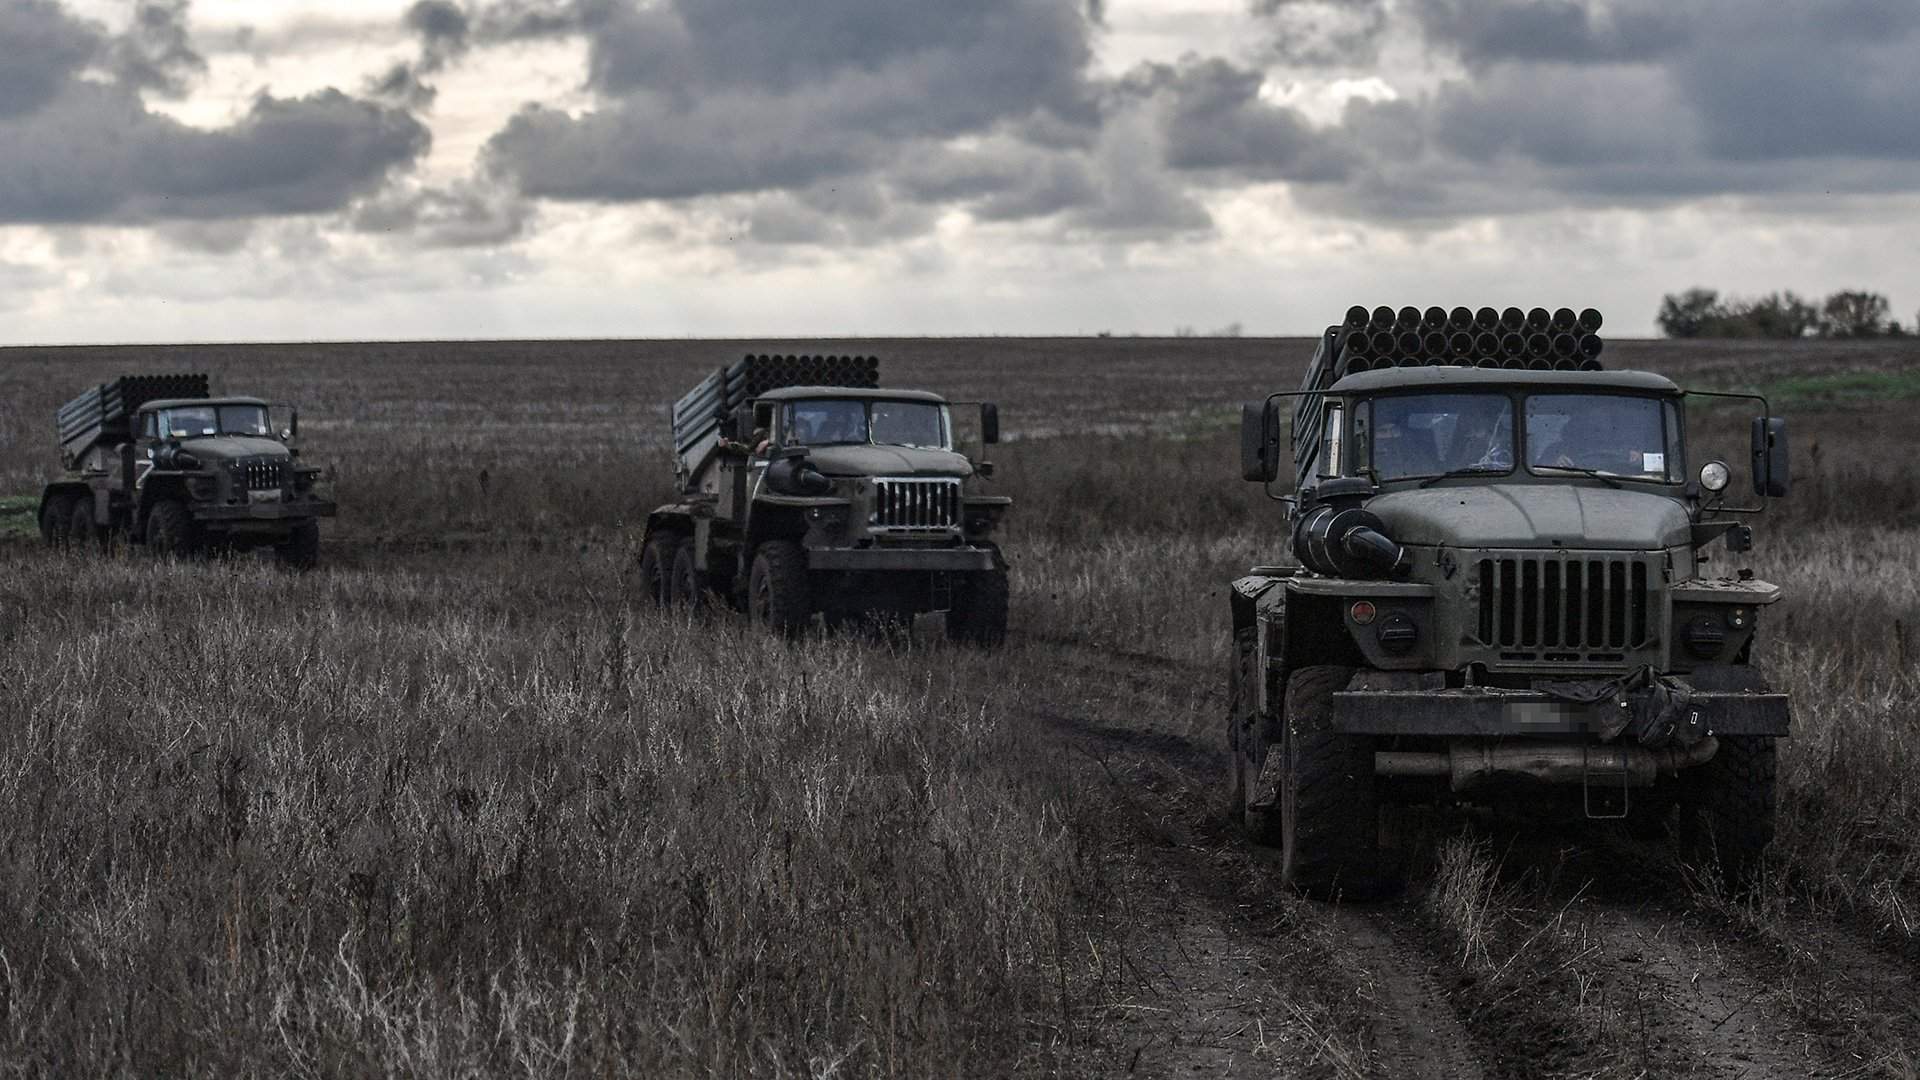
[1398, 634]
[1705, 636]
[1714, 476]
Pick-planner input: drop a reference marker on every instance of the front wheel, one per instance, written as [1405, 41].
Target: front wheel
[1726, 816]
[301, 549]
[778, 596]
[979, 612]
[1329, 815]
[171, 531]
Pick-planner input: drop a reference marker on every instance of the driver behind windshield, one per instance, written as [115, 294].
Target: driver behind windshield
[1617, 435]
[821, 423]
[191, 423]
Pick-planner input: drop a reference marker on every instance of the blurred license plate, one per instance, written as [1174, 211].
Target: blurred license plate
[1543, 716]
[265, 496]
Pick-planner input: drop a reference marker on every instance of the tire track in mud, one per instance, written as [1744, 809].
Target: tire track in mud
[1637, 979]
[1418, 1035]
[1219, 889]
[1697, 1010]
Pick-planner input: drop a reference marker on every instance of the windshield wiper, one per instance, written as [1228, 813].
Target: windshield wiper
[1612, 479]
[1466, 470]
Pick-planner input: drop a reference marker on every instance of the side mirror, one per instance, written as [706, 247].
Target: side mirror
[989, 423]
[1771, 476]
[1260, 441]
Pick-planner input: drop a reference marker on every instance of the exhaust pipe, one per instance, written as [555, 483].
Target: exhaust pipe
[1469, 764]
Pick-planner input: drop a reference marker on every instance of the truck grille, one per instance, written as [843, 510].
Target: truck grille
[1593, 603]
[916, 505]
[263, 475]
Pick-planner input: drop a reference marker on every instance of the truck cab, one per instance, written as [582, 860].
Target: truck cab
[1501, 595]
[844, 501]
[184, 474]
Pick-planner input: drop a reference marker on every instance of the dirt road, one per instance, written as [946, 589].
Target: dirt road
[1586, 955]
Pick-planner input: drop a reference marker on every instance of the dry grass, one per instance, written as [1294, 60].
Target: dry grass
[494, 821]
[479, 813]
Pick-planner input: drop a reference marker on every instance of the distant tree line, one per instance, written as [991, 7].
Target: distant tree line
[1849, 313]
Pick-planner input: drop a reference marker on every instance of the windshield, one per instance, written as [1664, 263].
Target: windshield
[1609, 433]
[1427, 434]
[895, 423]
[194, 421]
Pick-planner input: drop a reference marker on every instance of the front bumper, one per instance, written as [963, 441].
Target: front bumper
[1486, 712]
[265, 511]
[961, 559]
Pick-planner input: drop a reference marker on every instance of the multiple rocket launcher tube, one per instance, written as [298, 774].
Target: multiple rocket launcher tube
[1383, 337]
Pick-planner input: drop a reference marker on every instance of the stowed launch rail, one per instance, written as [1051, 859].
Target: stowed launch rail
[697, 416]
[104, 413]
[1383, 337]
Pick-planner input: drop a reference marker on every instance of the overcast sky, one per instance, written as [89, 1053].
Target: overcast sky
[272, 170]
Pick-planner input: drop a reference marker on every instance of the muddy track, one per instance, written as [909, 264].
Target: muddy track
[1245, 980]
[1604, 963]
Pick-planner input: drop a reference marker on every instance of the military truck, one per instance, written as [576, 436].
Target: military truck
[805, 489]
[157, 460]
[1500, 596]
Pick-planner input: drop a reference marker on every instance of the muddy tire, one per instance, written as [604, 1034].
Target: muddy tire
[686, 587]
[171, 531]
[1727, 817]
[1248, 743]
[778, 596]
[1329, 816]
[56, 520]
[301, 549]
[979, 612]
[80, 528]
[656, 567]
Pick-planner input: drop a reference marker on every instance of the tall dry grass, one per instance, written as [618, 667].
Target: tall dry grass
[489, 819]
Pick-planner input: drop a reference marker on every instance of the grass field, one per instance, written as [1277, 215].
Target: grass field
[474, 810]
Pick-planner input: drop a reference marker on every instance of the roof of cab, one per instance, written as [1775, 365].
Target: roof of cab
[176, 403]
[1430, 377]
[798, 393]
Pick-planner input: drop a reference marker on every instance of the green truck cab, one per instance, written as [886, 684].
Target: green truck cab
[806, 490]
[1501, 596]
[157, 460]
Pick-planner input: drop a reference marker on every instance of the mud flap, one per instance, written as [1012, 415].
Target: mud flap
[1605, 793]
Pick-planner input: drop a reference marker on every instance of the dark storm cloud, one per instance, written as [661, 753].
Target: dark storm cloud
[155, 52]
[96, 154]
[1323, 33]
[710, 97]
[43, 49]
[1639, 103]
[82, 147]
[1213, 118]
[465, 214]
[1491, 31]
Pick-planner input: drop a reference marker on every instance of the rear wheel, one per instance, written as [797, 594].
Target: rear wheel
[1727, 816]
[301, 549]
[979, 612]
[1329, 816]
[686, 587]
[80, 529]
[777, 594]
[56, 519]
[171, 531]
[656, 567]
[1253, 808]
